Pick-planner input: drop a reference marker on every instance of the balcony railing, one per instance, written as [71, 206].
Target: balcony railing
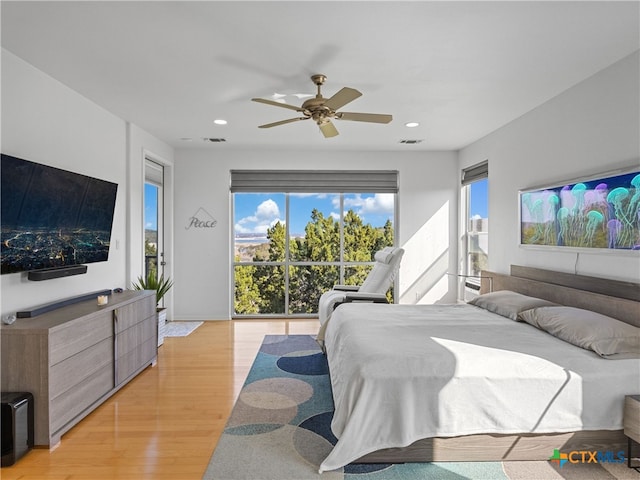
[150, 264]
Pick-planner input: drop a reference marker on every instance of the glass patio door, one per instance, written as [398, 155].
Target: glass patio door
[153, 219]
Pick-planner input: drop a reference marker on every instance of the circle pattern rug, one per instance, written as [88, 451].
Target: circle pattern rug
[280, 426]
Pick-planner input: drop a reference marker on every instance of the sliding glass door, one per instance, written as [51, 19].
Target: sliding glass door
[290, 247]
[153, 219]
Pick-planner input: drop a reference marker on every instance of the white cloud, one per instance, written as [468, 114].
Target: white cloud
[267, 210]
[266, 215]
[379, 204]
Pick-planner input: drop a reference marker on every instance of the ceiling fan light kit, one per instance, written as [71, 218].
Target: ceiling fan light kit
[322, 110]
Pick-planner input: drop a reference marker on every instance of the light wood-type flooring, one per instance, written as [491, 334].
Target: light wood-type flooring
[165, 423]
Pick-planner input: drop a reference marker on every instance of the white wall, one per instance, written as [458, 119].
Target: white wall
[427, 220]
[46, 122]
[591, 128]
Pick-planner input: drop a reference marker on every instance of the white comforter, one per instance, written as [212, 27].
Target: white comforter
[400, 373]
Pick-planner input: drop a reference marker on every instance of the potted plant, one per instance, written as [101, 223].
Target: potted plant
[161, 286]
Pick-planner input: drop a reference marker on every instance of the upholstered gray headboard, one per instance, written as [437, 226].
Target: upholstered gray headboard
[614, 298]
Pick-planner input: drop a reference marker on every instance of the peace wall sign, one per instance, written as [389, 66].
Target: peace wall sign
[201, 219]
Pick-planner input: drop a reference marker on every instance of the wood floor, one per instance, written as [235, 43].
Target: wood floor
[166, 422]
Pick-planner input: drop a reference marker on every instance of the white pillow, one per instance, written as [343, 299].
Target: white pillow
[507, 303]
[608, 337]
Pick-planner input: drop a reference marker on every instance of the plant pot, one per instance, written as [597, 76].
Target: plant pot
[162, 322]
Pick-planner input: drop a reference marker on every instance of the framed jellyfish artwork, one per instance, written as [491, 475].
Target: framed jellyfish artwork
[598, 213]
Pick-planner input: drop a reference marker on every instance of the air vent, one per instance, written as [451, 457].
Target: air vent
[410, 142]
[215, 140]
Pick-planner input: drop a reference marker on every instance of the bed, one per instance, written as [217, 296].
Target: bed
[463, 383]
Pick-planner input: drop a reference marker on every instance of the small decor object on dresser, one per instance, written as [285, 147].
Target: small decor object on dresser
[632, 428]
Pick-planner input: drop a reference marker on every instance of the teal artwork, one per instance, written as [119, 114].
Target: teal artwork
[599, 213]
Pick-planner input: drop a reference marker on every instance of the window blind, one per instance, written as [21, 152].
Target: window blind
[153, 173]
[475, 172]
[315, 181]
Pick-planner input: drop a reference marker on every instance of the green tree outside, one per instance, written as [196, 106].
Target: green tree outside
[150, 250]
[260, 289]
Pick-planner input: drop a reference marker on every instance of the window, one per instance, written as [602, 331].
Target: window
[153, 219]
[476, 223]
[292, 245]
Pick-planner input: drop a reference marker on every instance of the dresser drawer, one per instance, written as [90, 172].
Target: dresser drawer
[133, 337]
[84, 394]
[133, 360]
[69, 372]
[132, 313]
[78, 335]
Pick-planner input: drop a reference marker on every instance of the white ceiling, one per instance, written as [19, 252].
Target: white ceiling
[461, 69]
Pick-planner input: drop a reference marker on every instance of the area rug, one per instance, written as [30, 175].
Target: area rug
[280, 429]
[180, 329]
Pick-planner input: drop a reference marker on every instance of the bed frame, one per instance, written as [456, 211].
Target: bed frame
[614, 298]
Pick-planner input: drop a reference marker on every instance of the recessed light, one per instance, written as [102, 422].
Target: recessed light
[411, 124]
[220, 121]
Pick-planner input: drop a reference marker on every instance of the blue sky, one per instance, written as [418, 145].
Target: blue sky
[478, 199]
[254, 213]
[150, 207]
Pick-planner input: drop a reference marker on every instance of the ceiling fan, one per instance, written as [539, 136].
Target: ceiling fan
[322, 110]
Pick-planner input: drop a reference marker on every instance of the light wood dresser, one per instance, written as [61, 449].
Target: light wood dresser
[73, 358]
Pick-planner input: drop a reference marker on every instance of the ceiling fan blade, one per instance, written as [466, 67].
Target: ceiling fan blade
[364, 117]
[328, 129]
[277, 104]
[341, 98]
[282, 122]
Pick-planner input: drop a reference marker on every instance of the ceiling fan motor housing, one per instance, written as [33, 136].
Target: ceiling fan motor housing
[318, 79]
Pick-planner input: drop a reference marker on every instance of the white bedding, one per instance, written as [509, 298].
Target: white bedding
[400, 373]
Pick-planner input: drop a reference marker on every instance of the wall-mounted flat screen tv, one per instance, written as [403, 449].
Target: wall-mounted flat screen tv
[51, 217]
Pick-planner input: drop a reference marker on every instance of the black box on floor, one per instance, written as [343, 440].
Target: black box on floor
[16, 426]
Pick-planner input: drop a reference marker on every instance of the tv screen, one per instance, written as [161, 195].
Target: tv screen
[51, 217]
